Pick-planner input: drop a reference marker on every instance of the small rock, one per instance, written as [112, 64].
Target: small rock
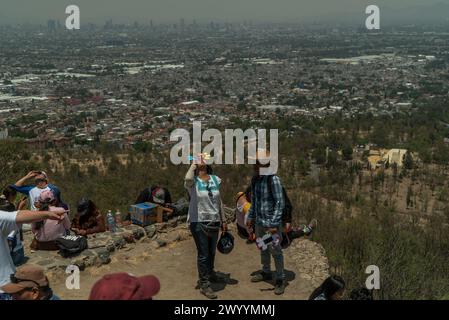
[161, 243]
[44, 263]
[150, 231]
[138, 233]
[79, 262]
[104, 257]
[119, 242]
[129, 238]
[110, 247]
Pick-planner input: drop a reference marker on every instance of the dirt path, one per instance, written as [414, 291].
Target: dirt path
[175, 265]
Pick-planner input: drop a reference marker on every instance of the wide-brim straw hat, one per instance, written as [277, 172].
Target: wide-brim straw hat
[261, 154]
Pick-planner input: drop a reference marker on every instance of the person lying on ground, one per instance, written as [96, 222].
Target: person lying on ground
[291, 233]
[41, 183]
[88, 219]
[10, 221]
[124, 286]
[29, 283]
[47, 231]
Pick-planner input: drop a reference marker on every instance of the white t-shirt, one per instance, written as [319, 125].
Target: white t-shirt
[7, 225]
[34, 196]
[205, 202]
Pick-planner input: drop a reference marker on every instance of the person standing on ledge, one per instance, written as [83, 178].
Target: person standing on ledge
[265, 213]
[206, 217]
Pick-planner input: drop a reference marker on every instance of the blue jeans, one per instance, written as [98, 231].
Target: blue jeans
[5, 296]
[265, 256]
[206, 244]
[18, 257]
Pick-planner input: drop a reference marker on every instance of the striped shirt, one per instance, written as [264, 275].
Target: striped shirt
[266, 207]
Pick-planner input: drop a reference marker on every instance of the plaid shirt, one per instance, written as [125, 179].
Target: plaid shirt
[266, 208]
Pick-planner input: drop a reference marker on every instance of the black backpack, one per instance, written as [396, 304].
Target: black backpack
[71, 245]
[288, 208]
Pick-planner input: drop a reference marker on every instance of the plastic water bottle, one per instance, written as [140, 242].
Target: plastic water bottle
[111, 221]
[118, 217]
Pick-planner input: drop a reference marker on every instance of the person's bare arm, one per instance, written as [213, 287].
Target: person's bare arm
[28, 216]
[190, 176]
[22, 181]
[224, 223]
[22, 203]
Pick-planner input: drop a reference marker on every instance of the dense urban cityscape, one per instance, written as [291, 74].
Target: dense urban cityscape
[125, 84]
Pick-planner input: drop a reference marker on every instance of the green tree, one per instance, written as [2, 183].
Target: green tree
[347, 152]
[408, 161]
[409, 197]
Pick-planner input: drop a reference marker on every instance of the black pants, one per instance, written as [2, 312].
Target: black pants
[206, 238]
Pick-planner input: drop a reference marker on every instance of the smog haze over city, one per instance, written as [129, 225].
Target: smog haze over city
[301, 11]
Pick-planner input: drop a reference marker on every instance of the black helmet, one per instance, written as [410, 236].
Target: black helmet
[225, 243]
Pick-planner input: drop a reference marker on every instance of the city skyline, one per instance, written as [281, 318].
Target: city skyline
[202, 11]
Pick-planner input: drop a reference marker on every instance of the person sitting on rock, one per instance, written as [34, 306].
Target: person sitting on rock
[47, 231]
[29, 283]
[88, 219]
[159, 196]
[241, 213]
[41, 184]
[333, 288]
[155, 194]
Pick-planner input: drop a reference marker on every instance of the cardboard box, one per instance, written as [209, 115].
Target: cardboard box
[144, 214]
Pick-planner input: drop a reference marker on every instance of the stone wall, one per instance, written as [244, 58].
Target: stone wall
[102, 245]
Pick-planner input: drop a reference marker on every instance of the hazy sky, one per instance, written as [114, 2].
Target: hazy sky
[19, 11]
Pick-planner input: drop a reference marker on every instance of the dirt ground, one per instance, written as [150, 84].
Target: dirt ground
[175, 266]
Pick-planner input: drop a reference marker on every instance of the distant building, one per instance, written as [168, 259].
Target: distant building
[375, 162]
[51, 25]
[395, 156]
[37, 143]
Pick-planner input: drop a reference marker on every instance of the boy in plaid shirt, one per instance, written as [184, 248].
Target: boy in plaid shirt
[267, 205]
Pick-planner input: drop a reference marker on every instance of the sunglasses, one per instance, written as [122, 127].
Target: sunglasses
[16, 280]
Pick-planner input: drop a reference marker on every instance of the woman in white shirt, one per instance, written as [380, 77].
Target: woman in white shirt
[205, 218]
